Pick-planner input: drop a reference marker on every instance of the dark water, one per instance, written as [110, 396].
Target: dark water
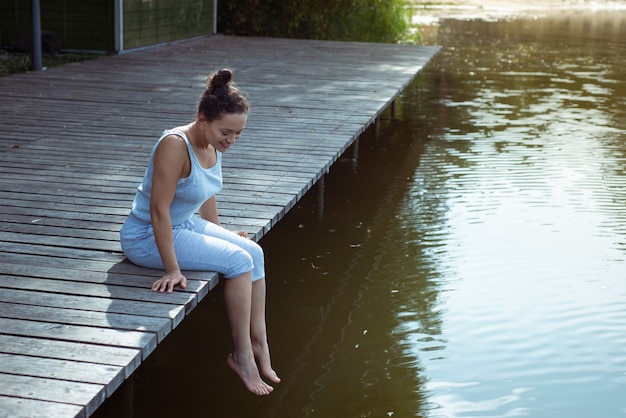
[470, 263]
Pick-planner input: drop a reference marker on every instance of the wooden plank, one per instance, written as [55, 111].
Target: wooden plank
[15, 216]
[122, 274]
[110, 335]
[51, 239]
[104, 291]
[127, 358]
[11, 407]
[172, 311]
[111, 377]
[101, 322]
[92, 258]
[35, 228]
[85, 395]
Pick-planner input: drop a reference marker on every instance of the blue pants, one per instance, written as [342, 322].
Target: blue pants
[199, 245]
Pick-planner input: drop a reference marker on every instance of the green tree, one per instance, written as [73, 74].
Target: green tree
[340, 20]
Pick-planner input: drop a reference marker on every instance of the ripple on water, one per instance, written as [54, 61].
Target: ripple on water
[520, 217]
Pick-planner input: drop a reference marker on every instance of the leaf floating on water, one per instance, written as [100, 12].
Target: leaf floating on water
[355, 245]
[314, 266]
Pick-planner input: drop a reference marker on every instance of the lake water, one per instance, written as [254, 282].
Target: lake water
[471, 262]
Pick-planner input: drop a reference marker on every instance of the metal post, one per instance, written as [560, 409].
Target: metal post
[214, 17]
[118, 25]
[36, 22]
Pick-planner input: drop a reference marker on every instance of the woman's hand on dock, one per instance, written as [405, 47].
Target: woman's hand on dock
[169, 281]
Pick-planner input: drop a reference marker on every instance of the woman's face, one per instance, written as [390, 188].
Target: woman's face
[222, 133]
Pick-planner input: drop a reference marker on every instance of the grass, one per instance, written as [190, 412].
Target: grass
[20, 62]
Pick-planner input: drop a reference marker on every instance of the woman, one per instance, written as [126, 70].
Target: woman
[163, 231]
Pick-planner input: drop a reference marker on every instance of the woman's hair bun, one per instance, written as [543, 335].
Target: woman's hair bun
[222, 96]
[219, 79]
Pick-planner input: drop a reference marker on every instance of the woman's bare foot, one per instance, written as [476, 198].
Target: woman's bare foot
[262, 355]
[249, 374]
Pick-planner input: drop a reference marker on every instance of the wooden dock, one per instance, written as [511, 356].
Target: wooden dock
[76, 319]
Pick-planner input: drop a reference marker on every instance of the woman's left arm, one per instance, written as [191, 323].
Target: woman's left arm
[208, 211]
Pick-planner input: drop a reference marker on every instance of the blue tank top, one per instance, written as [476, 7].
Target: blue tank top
[191, 192]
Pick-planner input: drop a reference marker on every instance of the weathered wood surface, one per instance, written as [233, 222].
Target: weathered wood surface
[76, 319]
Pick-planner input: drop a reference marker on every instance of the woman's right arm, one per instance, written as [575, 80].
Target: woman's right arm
[170, 160]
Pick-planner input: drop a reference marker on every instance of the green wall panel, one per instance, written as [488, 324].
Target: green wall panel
[90, 25]
[78, 24]
[157, 21]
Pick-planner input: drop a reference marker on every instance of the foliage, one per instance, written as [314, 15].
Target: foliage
[20, 62]
[339, 20]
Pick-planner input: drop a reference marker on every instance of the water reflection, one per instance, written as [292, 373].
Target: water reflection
[524, 194]
[352, 361]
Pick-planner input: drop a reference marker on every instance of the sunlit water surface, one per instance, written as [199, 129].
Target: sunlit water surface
[471, 262]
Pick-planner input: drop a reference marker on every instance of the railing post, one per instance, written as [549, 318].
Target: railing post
[118, 12]
[35, 14]
[214, 17]
[320, 198]
[355, 155]
[377, 127]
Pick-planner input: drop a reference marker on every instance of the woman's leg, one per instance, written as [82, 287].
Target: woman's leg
[258, 331]
[238, 297]
[209, 247]
[251, 247]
